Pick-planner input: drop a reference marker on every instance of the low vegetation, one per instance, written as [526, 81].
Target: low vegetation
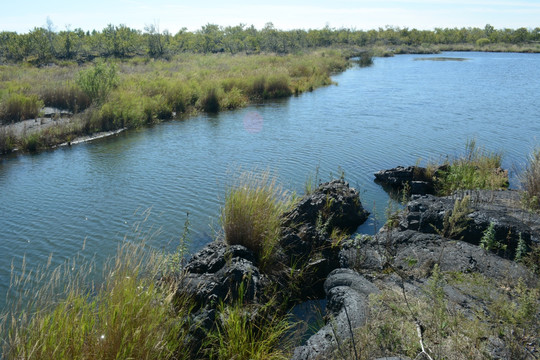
[135, 92]
[402, 324]
[530, 181]
[63, 314]
[476, 169]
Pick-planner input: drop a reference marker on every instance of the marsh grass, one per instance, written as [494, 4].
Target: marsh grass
[530, 181]
[7, 140]
[476, 169]
[136, 92]
[251, 215]
[65, 96]
[16, 107]
[66, 315]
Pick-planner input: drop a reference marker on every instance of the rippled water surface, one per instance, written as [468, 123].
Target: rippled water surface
[393, 113]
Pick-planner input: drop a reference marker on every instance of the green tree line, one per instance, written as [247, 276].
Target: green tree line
[45, 44]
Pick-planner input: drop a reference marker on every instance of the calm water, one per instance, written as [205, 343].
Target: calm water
[390, 114]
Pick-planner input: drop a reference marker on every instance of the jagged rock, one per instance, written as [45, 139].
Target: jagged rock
[332, 205]
[427, 213]
[216, 272]
[347, 294]
[306, 234]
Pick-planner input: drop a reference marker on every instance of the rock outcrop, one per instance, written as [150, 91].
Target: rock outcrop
[427, 214]
[416, 177]
[347, 296]
[220, 273]
[404, 258]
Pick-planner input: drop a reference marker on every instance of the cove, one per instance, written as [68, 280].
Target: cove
[85, 199]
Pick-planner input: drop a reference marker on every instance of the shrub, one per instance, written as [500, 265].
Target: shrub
[256, 88]
[66, 97]
[366, 59]
[178, 97]
[530, 181]
[489, 241]
[18, 107]
[98, 81]
[251, 215]
[482, 42]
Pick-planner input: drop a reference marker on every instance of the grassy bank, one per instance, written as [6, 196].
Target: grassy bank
[140, 91]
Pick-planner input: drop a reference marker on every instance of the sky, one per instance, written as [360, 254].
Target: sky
[23, 15]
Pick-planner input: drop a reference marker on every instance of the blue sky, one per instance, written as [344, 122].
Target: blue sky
[22, 16]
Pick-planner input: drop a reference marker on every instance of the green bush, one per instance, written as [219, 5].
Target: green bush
[256, 87]
[233, 99]
[18, 107]
[482, 42]
[31, 142]
[98, 81]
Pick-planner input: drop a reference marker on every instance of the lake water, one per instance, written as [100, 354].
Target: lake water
[393, 113]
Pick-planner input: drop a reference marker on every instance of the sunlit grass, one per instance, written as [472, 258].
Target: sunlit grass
[474, 170]
[151, 91]
[251, 215]
[65, 315]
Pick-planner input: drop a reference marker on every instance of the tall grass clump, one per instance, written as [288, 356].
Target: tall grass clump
[17, 107]
[250, 332]
[251, 215]
[530, 181]
[277, 87]
[129, 316]
[476, 169]
[209, 102]
[67, 97]
[98, 81]
[7, 141]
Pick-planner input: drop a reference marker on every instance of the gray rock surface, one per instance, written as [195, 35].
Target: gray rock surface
[347, 294]
[426, 214]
